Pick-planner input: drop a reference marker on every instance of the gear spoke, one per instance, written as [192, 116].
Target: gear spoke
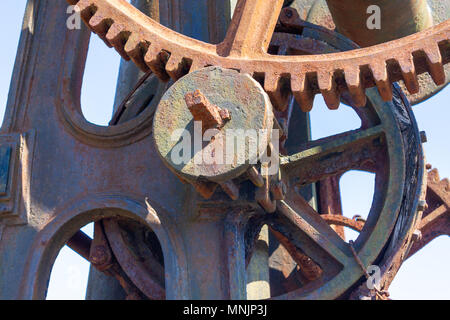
[303, 217]
[335, 154]
[251, 28]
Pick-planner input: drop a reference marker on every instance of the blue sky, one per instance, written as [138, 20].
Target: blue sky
[424, 276]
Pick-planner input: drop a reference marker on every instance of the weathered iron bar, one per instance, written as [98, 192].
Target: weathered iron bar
[80, 242]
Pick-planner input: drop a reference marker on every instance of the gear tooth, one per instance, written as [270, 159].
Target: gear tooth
[87, 9]
[381, 78]
[302, 92]
[205, 188]
[177, 66]
[156, 60]
[409, 74]
[245, 69]
[118, 36]
[445, 184]
[135, 48]
[355, 88]
[100, 25]
[273, 87]
[434, 63]
[196, 65]
[434, 175]
[328, 88]
[444, 47]
[255, 177]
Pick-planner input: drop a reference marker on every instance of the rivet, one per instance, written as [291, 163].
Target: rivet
[422, 206]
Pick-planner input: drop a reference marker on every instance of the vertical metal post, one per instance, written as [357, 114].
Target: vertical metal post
[258, 282]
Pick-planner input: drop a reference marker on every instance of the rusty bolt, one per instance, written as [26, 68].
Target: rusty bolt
[358, 218]
[210, 115]
[225, 114]
[288, 13]
[423, 136]
[99, 255]
[416, 236]
[447, 184]
[422, 205]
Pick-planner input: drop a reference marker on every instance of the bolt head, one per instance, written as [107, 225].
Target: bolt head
[99, 255]
[288, 13]
[417, 235]
[422, 206]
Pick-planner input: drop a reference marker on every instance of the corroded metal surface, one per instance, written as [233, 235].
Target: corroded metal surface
[436, 216]
[248, 106]
[434, 221]
[171, 55]
[136, 257]
[394, 24]
[204, 246]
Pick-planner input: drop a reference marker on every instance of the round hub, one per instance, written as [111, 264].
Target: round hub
[213, 123]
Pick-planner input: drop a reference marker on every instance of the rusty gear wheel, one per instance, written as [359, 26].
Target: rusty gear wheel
[171, 55]
[387, 143]
[326, 264]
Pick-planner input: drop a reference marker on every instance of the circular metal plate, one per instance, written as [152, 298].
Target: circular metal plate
[221, 157]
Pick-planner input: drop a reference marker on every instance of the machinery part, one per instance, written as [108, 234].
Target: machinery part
[210, 115]
[263, 194]
[381, 141]
[335, 219]
[435, 220]
[229, 104]
[309, 232]
[80, 243]
[130, 254]
[137, 255]
[98, 252]
[139, 99]
[393, 26]
[324, 159]
[171, 55]
[329, 202]
[378, 146]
